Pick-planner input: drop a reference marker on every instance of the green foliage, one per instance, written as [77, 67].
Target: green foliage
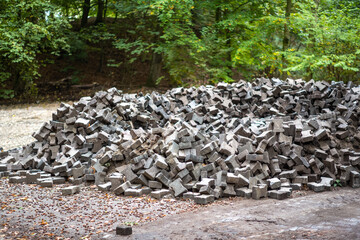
[337, 183]
[5, 93]
[130, 223]
[324, 42]
[69, 9]
[71, 70]
[198, 42]
[27, 29]
[96, 34]
[328, 41]
[196, 45]
[77, 48]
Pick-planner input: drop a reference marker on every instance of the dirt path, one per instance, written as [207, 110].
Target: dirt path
[328, 215]
[17, 123]
[30, 212]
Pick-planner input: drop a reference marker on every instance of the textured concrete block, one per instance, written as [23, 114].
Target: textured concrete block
[274, 183]
[133, 192]
[158, 194]
[259, 191]
[316, 187]
[177, 187]
[121, 189]
[46, 182]
[123, 230]
[104, 187]
[300, 179]
[190, 195]
[16, 179]
[155, 184]
[204, 199]
[243, 192]
[32, 177]
[354, 179]
[3, 167]
[278, 194]
[70, 190]
[288, 174]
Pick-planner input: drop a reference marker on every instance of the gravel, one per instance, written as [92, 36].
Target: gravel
[31, 212]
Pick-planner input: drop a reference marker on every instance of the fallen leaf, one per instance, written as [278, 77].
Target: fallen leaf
[43, 222]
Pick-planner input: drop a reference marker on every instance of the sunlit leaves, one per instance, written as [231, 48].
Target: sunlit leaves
[27, 29]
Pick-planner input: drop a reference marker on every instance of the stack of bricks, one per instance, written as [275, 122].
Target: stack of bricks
[255, 140]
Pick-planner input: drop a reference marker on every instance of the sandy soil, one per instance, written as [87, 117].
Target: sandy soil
[17, 123]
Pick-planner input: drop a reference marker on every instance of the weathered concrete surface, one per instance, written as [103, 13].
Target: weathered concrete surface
[328, 215]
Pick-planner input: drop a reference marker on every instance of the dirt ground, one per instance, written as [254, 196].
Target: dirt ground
[18, 122]
[328, 215]
[30, 212]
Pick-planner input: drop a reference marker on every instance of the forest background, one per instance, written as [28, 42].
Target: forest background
[50, 46]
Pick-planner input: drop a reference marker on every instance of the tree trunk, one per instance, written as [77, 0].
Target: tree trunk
[67, 11]
[196, 23]
[155, 69]
[228, 42]
[217, 14]
[99, 15]
[105, 8]
[85, 14]
[286, 39]
[116, 16]
[18, 84]
[101, 61]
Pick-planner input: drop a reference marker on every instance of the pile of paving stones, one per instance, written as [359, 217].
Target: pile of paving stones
[259, 139]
